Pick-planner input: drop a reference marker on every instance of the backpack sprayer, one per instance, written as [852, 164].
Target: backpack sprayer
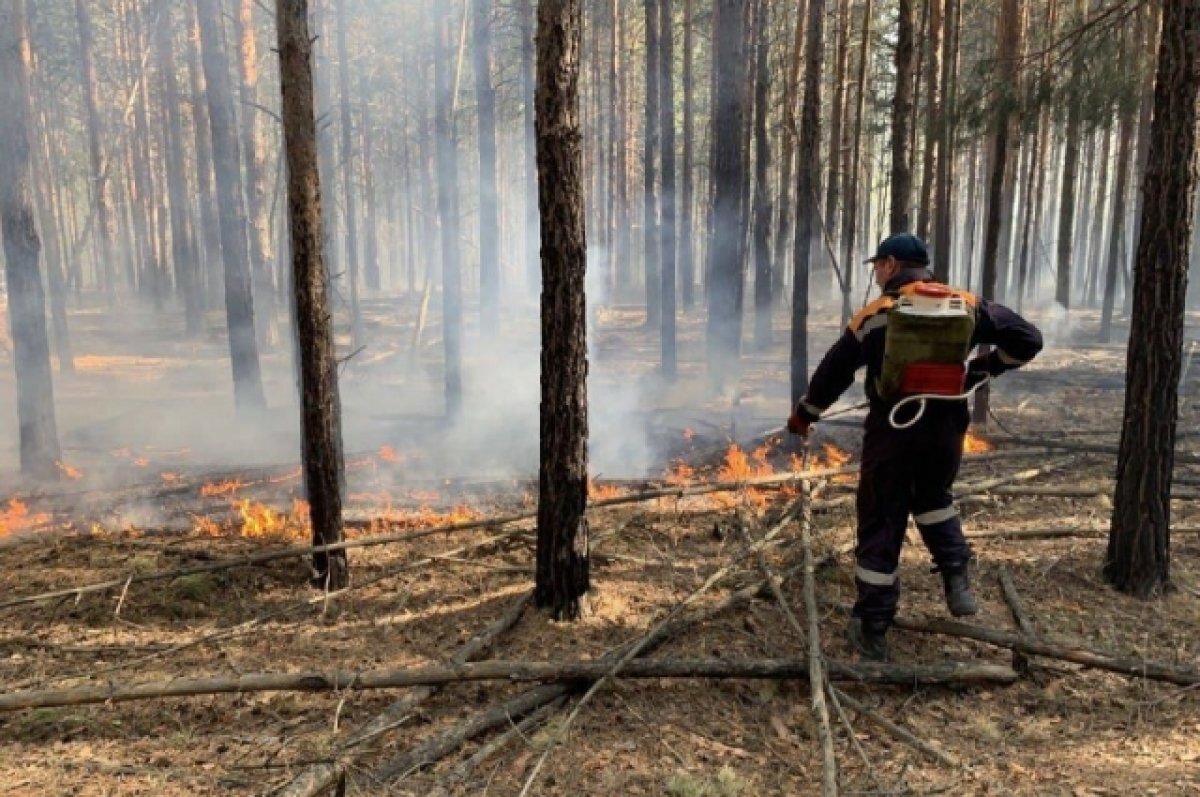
[925, 351]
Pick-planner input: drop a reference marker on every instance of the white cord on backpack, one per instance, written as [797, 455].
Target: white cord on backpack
[923, 397]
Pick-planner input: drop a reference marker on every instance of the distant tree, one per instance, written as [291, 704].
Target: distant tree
[40, 451]
[763, 281]
[349, 193]
[900, 218]
[447, 203]
[808, 214]
[100, 191]
[667, 237]
[652, 148]
[231, 211]
[562, 541]
[1138, 560]
[489, 196]
[320, 404]
[726, 253]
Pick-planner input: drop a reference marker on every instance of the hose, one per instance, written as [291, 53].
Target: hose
[922, 398]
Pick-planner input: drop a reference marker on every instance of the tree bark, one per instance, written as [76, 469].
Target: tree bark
[687, 251]
[106, 272]
[1138, 560]
[899, 219]
[239, 299]
[562, 575]
[349, 191]
[850, 220]
[725, 256]
[808, 224]
[1116, 261]
[320, 403]
[943, 212]
[38, 430]
[933, 115]
[651, 148]
[211, 278]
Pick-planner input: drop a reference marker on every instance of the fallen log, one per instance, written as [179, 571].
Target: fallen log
[1091, 448]
[1017, 607]
[584, 671]
[1084, 491]
[1064, 651]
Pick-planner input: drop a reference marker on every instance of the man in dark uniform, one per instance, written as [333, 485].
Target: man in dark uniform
[910, 470]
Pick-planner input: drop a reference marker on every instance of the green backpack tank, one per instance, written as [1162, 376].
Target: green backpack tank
[927, 342]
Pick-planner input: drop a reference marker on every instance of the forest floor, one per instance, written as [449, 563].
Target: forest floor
[140, 509]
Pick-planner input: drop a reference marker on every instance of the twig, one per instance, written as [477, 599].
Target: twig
[895, 730]
[850, 734]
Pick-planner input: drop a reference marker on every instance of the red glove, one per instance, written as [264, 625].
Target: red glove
[798, 424]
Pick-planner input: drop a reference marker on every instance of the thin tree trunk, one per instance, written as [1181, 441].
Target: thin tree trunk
[212, 277]
[239, 300]
[687, 252]
[253, 149]
[320, 403]
[943, 212]
[447, 191]
[489, 198]
[371, 271]
[1138, 559]
[837, 115]
[38, 430]
[666, 87]
[763, 282]
[650, 152]
[532, 216]
[562, 544]
[808, 225]
[1125, 155]
[785, 224]
[853, 172]
[350, 194]
[725, 255]
[96, 166]
[934, 118]
[902, 122]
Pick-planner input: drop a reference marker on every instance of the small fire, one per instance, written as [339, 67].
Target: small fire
[168, 477]
[679, 473]
[688, 434]
[975, 445]
[17, 518]
[68, 471]
[221, 488]
[388, 454]
[206, 526]
[261, 521]
[598, 492]
[427, 518]
[834, 456]
[291, 474]
[141, 462]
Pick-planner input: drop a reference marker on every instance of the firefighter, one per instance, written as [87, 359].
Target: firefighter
[915, 341]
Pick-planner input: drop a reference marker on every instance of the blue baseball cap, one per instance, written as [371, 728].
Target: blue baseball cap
[902, 246]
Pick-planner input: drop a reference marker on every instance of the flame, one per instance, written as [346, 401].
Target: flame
[141, 462]
[738, 467]
[679, 473]
[598, 492]
[261, 521]
[388, 454]
[975, 445]
[169, 477]
[206, 526]
[688, 434]
[291, 474]
[17, 518]
[221, 488]
[425, 517]
[68, 471]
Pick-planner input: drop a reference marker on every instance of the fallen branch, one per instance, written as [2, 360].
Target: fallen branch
[1066, 491]
[1156, 671]
[816, 675]
[319, 777]
[1091, 448]
[1009, 588]
[894, 729]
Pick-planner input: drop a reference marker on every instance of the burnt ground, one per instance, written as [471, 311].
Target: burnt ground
[1062, 729]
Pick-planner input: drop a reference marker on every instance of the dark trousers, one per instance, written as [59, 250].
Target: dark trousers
[906, 472]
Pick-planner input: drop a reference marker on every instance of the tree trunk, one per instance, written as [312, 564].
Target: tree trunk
[532, 216]
[96, 165]
[650, 153]
[943, 212]
[1115, 263]
[687, 251]
[785, 224]
[837, 115]
[40, 451]
[1138, 560]
[562, 541]
[367, 167]
[725, 255]
[933, 115]
[850, 219]
[489, 198]
[253, 149]
[1008, 35]
[447, 193]
[211, 277]
[622, 241]
[349, 193]
[320, 404]
[666, 87]
[239, 300]
[763, 282]
[808, 224]
[902, 122]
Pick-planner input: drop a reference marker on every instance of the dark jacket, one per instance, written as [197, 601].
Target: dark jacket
[1016, 342]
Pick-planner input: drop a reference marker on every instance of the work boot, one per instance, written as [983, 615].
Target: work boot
[960, 600]
[868, 638]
